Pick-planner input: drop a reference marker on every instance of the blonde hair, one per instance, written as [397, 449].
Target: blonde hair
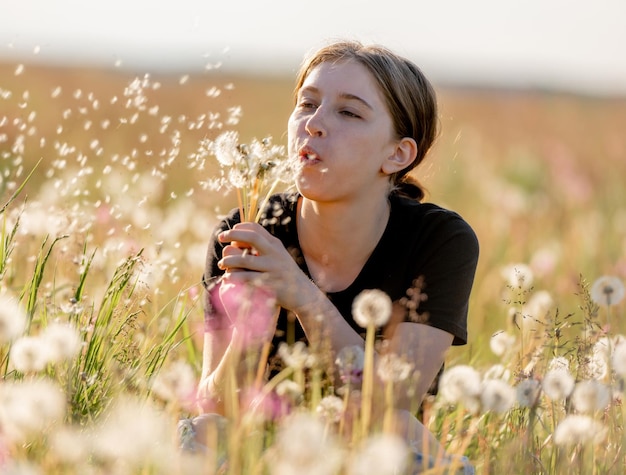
[409, 96]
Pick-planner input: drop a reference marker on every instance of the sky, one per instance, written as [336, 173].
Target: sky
[571, 45]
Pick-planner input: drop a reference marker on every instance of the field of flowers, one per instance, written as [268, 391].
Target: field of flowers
[106, 205]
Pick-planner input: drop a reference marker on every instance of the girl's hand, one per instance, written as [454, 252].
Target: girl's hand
[253, 253]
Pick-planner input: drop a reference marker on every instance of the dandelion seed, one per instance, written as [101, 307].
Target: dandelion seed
[607, 290]
[19, 69]
[501, 342]
[497, 396]
[589, 396]
[461, 384]
[371, 307]
[558, 384]
[528, 392]
[579, 429]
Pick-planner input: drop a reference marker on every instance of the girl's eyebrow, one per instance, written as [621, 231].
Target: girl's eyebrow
[344, 95]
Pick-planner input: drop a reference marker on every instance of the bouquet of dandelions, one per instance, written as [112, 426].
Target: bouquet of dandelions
[253, 170]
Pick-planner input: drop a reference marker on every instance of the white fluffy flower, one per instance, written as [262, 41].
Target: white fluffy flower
[330, 409]
[381, 454]
[500, 342]
[371, 307]
[461, 384]
[607, 290]
[296, 356]
[497, 396]
[303, 446]
[393, 368]
[528, 392]
[28, 354]
[29, 407]
[518, 276]
[12, 318]
[618, 359]
[559, 362]
[577, 429]
[558, 383]
[539, 304]
[589, 396]
[62, 341]
[175, 383]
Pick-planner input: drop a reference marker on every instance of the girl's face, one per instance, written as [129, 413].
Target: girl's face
[341, 132]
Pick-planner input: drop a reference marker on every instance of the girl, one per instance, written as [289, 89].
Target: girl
[364, 117]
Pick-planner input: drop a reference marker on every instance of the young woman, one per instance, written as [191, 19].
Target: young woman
[364, 117]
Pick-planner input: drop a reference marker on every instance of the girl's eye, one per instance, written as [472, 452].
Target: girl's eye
[350, 114]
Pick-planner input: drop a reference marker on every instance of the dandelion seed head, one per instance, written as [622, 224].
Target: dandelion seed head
[528, 392]
[501, 342]
[589, 396]
[559, 362]
[618, 359]
[497, 396]
[393, 368]
[304, 447]
[539, 304]
[28, 354]
[518, 276]
[330, 409]
[61, 340]
[12, 318]
[350, 362]
[29, 407]
[498, 371]
[579, 429]
[371, 307]
[382, 454]
[296, 356]
[175, 383]
[558, 384]
[461, 384]
[132, 431]
[607, 290]
[289, 389]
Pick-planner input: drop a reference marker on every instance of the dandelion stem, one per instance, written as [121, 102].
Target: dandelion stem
[368, 380]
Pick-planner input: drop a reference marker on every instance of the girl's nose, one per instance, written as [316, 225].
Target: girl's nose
[315, 124]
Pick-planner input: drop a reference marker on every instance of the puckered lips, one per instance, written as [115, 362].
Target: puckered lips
[308, 156]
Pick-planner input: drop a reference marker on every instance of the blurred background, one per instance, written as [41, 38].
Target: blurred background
[115, 97]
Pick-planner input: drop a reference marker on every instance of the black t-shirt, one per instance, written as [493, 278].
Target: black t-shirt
[421, 241]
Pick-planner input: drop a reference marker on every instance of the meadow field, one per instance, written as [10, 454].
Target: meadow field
[107, 206]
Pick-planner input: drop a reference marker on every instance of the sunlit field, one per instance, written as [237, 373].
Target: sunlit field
[106, 210]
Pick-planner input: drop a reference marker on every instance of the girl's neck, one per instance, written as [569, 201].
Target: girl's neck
[337, 238]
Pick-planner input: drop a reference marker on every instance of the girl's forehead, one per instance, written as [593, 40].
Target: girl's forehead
[348, 75]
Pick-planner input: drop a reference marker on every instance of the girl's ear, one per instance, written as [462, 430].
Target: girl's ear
[402, 156]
